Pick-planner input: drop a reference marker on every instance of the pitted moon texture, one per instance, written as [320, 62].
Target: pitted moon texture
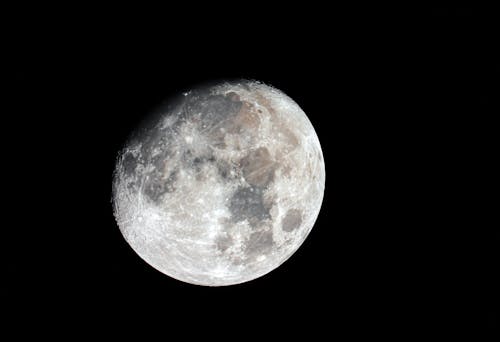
[223, 187]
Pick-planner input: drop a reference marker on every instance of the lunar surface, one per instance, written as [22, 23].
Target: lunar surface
[221, 187]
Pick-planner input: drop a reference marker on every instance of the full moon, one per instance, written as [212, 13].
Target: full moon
[222, 186]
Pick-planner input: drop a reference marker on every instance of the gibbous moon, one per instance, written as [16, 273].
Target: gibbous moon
[223, 186]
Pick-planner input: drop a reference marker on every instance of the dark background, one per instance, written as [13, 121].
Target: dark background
[403, 102]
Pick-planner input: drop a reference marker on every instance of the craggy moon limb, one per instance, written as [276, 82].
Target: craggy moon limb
[224, 187]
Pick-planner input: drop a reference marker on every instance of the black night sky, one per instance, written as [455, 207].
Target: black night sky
[398, 98]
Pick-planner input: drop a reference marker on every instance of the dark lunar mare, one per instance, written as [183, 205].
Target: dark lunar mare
[248, 203]
[292, 220]
[210, 110]
[260, 242]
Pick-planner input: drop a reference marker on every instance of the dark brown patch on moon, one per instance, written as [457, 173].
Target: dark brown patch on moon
[289, 138]
[234, 116]
[245, 120]
[292, 220]
[265, 103]
[258, 167]
[260, 242]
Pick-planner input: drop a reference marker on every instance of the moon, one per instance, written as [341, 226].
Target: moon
[222, 186]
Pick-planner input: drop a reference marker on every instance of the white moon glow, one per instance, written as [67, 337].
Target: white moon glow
[223, 187]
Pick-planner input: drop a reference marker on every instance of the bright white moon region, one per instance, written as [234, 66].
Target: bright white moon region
[223, 186]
